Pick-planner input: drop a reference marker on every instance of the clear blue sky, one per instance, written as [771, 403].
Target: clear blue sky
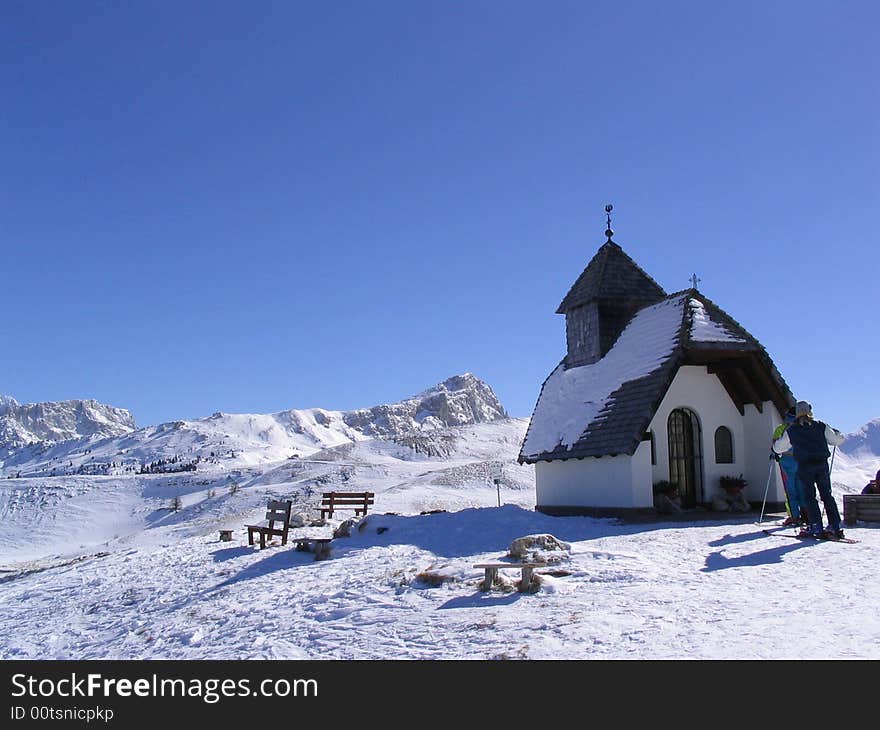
[257, 206]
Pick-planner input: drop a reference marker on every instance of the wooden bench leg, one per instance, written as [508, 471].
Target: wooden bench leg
[489, 580]
[526, 582]
[250, 536]
[322, 550]
[262, 540]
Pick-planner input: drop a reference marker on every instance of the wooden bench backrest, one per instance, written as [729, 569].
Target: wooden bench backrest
[333, 498]
[277, 511]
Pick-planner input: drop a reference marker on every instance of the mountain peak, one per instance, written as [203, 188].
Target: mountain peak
[465, 381]
[457, 401]
[7, 402]
[865, 440]
[58, 421]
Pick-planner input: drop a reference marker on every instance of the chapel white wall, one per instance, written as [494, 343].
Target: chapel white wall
[695, 389]
[608, 481]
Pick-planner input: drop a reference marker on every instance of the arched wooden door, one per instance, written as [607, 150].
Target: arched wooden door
[685, 455]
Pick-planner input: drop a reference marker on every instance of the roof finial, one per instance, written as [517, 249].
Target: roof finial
[608, 231]
[694, 281]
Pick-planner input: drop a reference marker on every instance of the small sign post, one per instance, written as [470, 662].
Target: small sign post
[497, 471]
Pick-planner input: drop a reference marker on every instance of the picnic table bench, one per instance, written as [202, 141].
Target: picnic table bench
[527, 569]
[358, 501]
[277, 523]
[864, 507]
[318, 545]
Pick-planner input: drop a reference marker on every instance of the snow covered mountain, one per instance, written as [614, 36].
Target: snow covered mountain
[240, 440]
[6, 402]
[858, 457]
[21, 425]
[460, 400]
[865, 441]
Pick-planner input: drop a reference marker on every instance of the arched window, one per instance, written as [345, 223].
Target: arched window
[723, 445]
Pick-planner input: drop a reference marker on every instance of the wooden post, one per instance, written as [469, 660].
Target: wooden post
[489, 580]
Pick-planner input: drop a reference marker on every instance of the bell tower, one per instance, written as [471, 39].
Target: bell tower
[602, 301]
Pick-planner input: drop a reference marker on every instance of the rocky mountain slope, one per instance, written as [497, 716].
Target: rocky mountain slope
[21, 425]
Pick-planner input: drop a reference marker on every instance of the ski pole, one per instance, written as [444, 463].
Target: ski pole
[830, 468]
[766, 489]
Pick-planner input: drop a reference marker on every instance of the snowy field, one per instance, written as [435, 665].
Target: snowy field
[100, 568]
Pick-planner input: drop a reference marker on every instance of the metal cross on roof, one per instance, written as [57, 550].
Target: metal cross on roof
[694, 281]
[608, 231]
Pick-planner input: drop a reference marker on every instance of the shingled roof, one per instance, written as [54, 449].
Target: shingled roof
[604, 409]
[611, 274]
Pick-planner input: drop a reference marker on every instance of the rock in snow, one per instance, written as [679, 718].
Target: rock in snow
[542, 548]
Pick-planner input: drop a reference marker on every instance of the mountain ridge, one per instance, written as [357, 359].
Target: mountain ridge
[52, 421]
[254, 438]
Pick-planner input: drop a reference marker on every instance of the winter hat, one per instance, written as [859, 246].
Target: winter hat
[803, 409]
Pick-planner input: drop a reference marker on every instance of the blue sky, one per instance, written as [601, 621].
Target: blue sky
[257, 206]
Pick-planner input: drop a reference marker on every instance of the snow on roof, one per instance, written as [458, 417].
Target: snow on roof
[573, 399]
[704, 329]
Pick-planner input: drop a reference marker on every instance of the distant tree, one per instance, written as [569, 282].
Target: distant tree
[233, 488]
[176, 504]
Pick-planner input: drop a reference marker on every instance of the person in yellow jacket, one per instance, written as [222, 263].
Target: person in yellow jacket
[797, 510]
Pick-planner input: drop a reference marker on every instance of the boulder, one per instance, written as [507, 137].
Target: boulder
[542, 548]
[299, 520]
[344, 528]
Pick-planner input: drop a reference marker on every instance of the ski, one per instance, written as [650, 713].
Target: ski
[812, 539]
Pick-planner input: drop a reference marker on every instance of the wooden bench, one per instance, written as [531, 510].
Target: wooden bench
[277, 523]
[527, 569]
[318, 545]
[358, 501]
[865, 507]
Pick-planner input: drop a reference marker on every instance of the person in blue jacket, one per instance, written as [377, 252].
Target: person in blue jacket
[797, 511]
[809, 441]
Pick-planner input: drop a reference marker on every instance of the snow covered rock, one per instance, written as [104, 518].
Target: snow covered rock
[344, 529]
[299, 519]
[543, 548]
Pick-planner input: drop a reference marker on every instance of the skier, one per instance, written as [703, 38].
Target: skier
[797, 512]
[809, 441]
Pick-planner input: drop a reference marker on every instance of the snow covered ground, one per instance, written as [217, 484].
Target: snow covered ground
[99, 567]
